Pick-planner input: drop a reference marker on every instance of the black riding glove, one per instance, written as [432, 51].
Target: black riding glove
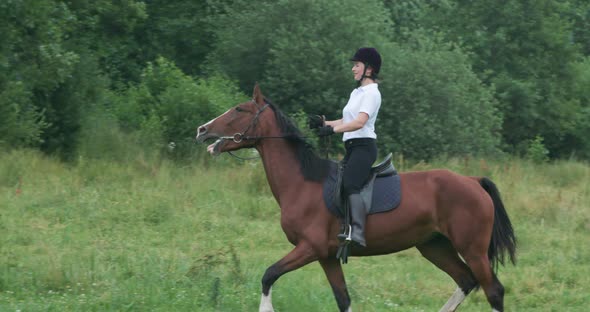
[325, 131]
[316, 121]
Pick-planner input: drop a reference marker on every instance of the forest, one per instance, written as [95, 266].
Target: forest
[105, 78]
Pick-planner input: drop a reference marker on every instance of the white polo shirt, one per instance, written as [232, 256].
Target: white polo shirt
[366, 99]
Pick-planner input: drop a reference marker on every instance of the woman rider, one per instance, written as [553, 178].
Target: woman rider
[358, 128]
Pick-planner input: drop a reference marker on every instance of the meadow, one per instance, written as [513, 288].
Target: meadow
[148, 235]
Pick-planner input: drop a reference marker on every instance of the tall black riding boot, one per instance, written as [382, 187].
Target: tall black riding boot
[358, 214]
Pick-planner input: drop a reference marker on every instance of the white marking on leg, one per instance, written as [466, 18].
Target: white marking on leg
[494, 310]
[266, 302]
[349, 309]
[454, 301]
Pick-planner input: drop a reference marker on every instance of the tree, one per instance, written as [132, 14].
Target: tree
[436, 106]
[524, 49]
[432, 102]
[35, 65]
[21, 123]
[180, 31]
[298, 50]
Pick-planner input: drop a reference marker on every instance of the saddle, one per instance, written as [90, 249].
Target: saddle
[381, 192]
[383, 169]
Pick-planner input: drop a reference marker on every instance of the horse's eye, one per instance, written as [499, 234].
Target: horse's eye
[239, 109]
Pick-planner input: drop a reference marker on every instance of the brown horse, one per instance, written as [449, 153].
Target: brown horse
[458, 223]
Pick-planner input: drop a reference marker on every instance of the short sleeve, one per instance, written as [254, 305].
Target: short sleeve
[370, 103]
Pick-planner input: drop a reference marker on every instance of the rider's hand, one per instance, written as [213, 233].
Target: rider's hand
[316, 121]
[325, 131]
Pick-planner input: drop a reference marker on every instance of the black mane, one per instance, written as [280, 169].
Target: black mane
[313, 167]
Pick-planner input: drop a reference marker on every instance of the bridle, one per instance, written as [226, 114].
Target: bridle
[238, 137]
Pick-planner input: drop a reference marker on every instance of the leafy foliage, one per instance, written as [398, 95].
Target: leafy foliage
[525, 62]
[438, 108]
[167, 105]
[179, 31]
[528, 51]
[302, 65]
[34, 63]
[536, 150]
[21, 124]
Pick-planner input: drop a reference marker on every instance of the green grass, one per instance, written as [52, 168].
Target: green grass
[154, 236]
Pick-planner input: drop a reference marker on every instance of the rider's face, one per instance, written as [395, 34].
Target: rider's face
[357, 70]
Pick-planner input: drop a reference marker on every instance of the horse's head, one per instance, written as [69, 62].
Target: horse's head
[236, 128]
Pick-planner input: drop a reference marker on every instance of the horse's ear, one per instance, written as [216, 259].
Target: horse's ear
[257, 95]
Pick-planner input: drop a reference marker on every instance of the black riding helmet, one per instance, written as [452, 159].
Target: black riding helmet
[370, 57]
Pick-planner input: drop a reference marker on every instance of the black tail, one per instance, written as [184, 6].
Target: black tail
[503, 238]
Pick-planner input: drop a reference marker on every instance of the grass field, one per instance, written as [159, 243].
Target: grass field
[155, 236]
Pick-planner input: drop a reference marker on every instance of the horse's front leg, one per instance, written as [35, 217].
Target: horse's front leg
[301, 255]
[333, 270]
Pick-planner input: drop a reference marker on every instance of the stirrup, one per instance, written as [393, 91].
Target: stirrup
[344, 236]
[345, 240]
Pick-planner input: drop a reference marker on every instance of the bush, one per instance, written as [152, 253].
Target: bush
[536, 150]
[167, 106]
[102, 138]
[434, 105]
[21, 123]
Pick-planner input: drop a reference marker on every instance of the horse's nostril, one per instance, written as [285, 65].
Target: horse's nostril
[201, 130]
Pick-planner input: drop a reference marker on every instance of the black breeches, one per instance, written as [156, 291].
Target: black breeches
[360, 156]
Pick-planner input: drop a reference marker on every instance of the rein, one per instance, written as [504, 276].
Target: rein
[238, 137]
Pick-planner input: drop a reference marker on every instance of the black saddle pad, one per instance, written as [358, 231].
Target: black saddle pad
[387, 193]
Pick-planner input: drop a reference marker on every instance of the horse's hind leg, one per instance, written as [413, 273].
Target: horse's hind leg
[441, 253]
[480, 265]
[333, 270]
